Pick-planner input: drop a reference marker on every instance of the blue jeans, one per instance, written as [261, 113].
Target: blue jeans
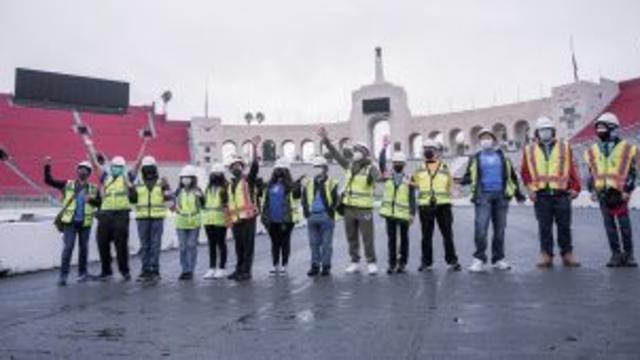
[150, 234]
[490, 207]
[71, 231]
[188, 239]
[320, 228]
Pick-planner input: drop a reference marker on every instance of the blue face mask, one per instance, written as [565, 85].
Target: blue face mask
[117, 170]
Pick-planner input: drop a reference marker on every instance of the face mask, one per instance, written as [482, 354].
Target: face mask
[83, 174]
[398, 168]
[186, 181]
[545, 134]
[278, 173]
[236, 172]
[117, 170]
[320, 171]
[358, 155]
[486, 144]
[149, 172]
[216, 179]
[603, 133]
[429, 154]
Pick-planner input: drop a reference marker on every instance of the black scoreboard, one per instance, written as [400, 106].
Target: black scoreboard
[378, 105]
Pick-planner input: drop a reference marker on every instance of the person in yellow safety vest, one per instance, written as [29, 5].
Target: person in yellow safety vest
[549, 172]
[280, 212]
[244, 210]
[319, 206]
[189, 202]
[356, 203]
[493, 184]
[216, 219]
[113, 218]
[149, 197]
[433, 181]
[398, 207]
[612, 164]
[80, 198]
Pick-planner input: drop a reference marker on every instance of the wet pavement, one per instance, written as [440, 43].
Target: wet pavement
[591, 312]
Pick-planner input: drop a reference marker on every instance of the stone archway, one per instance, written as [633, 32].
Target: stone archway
[415, 146]
[229, 148]
[379, 128]
[289, 149]
[456, 142]
[521, 133]
[308, 150]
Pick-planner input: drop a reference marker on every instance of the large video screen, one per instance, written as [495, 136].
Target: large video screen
[379, 105]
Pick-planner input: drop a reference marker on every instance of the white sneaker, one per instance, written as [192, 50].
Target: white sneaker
[372, 268]
[220, 273]
[210, 274]
[352, 268]
[283, 270]
[274, 271]
[476, 266]
[502, 265]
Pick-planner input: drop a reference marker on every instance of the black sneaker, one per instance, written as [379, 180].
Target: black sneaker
[243, 277]
[326, 270]
[615, 261]
[62, 282]
[424, 267]
[455, 267]
[391, 270]
[233, 276]
[184, 276]
[401, 269]
[314, 271]
[85, 278]
[630, 261]
[144, 276]
[126, 277]
[105, 277]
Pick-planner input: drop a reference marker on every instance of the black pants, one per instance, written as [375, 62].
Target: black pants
[280, 234]
[244, 234]
[552, 209]
[617, 228]
[444, 216]
[113, 227]
[392, 230]
[216, 237]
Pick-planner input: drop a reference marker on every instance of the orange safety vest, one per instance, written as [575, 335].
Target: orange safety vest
[241, 205]
[550, 172]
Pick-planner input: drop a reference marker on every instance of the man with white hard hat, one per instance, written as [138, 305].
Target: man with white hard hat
[612, 163]
[356, 201]
[149, 196]
[398, 207]
[434, 182]
[549, 172]
[80, 199]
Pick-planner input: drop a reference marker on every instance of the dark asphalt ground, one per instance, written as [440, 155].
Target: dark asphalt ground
[586, 313]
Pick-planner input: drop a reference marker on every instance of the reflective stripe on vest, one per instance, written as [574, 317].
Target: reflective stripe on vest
[115, 194]
[213, 212]
[187, 210]
[89, 210]
[395, 200]
[611, 171]
[241, 206]
[551, 172]
[359, 192]
[150, 203]
[310, 193]
[433, 186]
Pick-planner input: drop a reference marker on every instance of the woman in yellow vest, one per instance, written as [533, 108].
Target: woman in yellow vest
[189, 201]
[80, 199]
[280, 212]
[149, 197]
[398, 208]
[433, 182]
[215, 218]
[612, 164]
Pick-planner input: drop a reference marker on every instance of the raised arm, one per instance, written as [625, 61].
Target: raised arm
[48, 178]
[335, 153]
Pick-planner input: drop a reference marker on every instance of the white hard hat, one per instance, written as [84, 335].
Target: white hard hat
[282, 163]
[544, 122]
[484, 131]
[85, 164]
[362, 145]
[319, 161]
[118, 161]
[609, 119]
[431, 143]
[188, 170]
[217, 168]
[399, 156]
[236, 159]
[148, 161]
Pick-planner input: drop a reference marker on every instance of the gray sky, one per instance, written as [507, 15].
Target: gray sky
[298, 61]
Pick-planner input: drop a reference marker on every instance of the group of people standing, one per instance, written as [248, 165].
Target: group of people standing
[548, 172]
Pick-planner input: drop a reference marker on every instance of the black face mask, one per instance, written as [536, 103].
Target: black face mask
[216, 179]
[604, 135]
[236, 172]
[278, 174]
[149, 173]
[83, 175]
[429, 154]
[398, 168]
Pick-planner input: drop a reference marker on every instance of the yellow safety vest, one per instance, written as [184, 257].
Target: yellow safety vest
[433, 185]
[213, 212]
[358, 191]
[187, 210]
[395, 200]
[89, 210]
[150, 203]
[611, 171]
[115, 194]
[548, 173]
[510, 186]
[241, 205]
[310, 193]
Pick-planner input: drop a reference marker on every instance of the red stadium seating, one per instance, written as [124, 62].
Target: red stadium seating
[29, 134]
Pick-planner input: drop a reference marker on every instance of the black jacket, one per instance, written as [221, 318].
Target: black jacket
[331, 209]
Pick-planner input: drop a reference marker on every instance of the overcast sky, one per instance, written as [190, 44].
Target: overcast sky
[298, 61]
